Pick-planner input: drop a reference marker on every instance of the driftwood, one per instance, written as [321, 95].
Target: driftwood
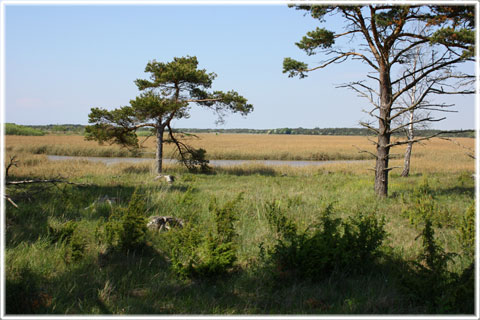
[22, 182]
[7, 197]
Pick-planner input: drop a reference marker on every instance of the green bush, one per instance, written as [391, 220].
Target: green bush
[466, 235]
[206, 253]
[67, 234]
[61, 232]
[323, 248]
[76, 247]
[126, 228]
[430, 282]
[18, 130]
[420, 205]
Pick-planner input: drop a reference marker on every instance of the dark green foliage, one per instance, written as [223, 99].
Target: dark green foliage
[206, 253]
[18, 130]
[430, 281]
[61, 232]
[466, 234]
[68, 235]
[332, 245]
[294, 68]
[76, 247]
[320, 37]
[126, 229]
[23, 293]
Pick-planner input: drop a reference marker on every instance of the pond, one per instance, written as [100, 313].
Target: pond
[220, 163]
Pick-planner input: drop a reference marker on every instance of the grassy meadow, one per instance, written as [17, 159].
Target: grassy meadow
[61, 256]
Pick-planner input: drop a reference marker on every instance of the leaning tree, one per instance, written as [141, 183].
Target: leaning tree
[385, 36]
[172, 90]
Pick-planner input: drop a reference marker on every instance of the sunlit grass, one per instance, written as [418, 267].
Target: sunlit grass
[132, 284]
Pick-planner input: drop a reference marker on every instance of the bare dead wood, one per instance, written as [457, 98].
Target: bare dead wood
[7, 197]
[13, 163]
[24, 182]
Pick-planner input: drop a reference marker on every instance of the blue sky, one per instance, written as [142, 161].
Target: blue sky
[62, 60]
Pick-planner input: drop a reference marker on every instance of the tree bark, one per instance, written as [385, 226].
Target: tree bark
[159, 153]
[408, 152]
[383, 148]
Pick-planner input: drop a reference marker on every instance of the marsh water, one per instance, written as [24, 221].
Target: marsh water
[220, 163]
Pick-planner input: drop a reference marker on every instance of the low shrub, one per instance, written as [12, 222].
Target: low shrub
[466, 235]
[331, 245]
[421, 205]
[429, 280]
[200, 253]
[126, 228]
[68, 235]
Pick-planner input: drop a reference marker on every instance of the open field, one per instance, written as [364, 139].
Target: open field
[436, 155]
[44, 277]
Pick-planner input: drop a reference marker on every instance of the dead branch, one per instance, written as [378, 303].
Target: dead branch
[23, 182]
[7, 197]
[13, 162]
[365, 151]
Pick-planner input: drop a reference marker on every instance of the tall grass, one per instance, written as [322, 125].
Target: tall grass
[435, 155]
[41, 276]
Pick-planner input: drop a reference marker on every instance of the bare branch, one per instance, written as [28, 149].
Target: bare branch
[13, 162]
[23, 182]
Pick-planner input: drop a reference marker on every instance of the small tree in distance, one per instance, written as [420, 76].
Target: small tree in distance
[169, 94]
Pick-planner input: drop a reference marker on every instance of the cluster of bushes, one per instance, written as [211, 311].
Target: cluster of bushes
[330, 245]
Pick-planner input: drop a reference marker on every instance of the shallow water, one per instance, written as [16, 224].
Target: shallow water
[219, 163]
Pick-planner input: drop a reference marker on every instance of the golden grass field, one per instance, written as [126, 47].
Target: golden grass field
[435, 155]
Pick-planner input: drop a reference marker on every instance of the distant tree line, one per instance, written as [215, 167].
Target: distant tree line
[331, 131]
[14, 129]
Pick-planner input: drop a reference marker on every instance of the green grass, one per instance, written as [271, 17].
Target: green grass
[41, 280]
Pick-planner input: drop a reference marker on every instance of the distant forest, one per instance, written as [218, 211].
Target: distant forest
[77, 129]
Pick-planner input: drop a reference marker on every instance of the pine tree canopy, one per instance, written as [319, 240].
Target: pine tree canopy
[172, 89]
[389, 31]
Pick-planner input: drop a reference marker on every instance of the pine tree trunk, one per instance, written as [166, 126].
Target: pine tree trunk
[383, 142]
[159, 153]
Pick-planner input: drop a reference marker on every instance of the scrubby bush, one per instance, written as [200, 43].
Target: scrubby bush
[420, 205]
[466, 234]
[68, 235]
[331, 245]
[61, 232]
[127, 227]
[206, 253]
[430, 282]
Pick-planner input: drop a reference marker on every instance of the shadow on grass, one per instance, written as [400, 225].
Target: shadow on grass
[456, 191]
[246, 171]
[142, 283]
